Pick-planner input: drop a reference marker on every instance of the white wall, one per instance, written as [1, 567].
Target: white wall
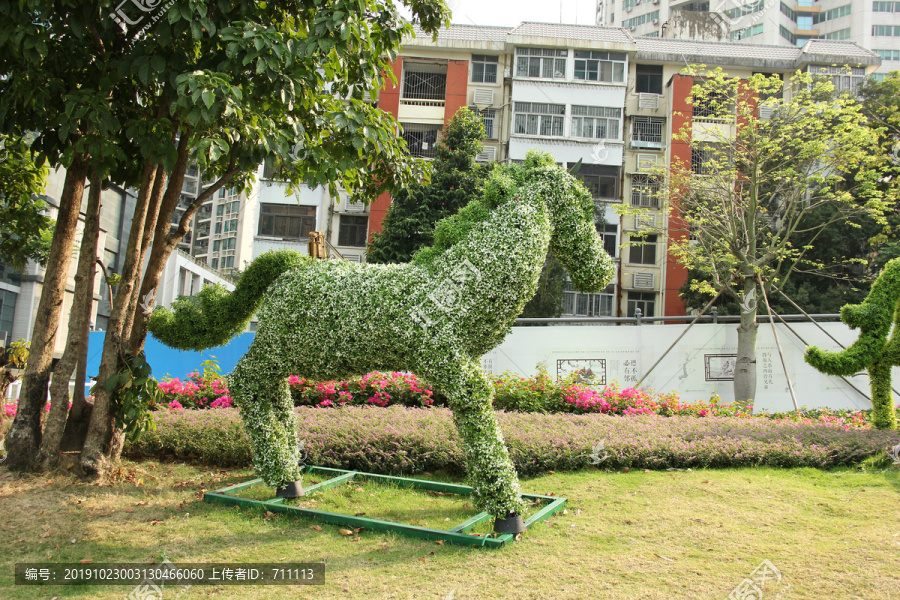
[624, 353]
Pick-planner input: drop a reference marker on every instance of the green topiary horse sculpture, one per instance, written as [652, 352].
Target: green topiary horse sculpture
[875, 318]
[435, 316]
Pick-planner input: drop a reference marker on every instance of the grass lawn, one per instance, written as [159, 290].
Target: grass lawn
[682, 534]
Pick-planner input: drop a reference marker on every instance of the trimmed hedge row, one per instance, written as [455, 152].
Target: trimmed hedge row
[397, 440]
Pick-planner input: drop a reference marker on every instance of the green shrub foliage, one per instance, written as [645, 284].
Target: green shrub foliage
[434, 317]
[874, 350]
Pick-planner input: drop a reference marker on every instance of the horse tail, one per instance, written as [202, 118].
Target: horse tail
[215, 315]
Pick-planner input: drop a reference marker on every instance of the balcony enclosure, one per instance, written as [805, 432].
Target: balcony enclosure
[647, 132]
[421, 138]
[424, 84]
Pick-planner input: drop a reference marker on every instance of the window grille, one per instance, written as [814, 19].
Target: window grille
[424, 81]
[644, 191]
[421, 138]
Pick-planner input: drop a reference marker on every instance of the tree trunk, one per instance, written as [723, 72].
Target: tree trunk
[156, 196]
[745, 369]
[83, 297]
[102, 422]
[24, 437]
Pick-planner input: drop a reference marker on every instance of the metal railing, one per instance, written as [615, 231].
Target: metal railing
[639, 319]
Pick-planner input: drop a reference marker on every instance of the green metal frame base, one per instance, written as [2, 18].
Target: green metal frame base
[454, 535]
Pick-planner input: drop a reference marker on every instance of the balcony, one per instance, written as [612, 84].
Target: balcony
[647, 133]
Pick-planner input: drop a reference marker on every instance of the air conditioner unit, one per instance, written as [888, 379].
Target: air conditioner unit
[642, 281]
[656, 21]
[643, 222]
[647, 100]
[766, 112]
[633, 27]
[355, 207]
[646, 162]
[655, 1]
[352, 257]
[483, 97]
[628, 9]
[489, 154]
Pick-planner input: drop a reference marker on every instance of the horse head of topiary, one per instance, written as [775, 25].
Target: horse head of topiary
[574, 240]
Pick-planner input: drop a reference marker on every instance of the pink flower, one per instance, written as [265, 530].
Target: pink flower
[175, 405]
[223, 402]
[10, 410]
[324, 403]
[293, 380]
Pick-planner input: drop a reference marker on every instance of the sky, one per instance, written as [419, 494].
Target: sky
[512, 12]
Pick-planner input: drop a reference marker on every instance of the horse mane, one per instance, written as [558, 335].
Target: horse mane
[502, 186]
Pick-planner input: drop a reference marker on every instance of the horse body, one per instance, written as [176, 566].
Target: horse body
[329, 319]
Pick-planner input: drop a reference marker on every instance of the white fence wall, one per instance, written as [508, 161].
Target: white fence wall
[700, 364]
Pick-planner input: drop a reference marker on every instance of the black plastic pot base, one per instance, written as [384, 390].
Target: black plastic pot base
[513, 523]
[293, 489]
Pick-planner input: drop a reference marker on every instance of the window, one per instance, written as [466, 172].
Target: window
[840, 34]
[227, 262]
[746, 9]
[602, 181]
[844, 79]
[424, 81]
[488, 117]
[646, 301]
[596, 122]
[226, 244]
[835, 13]
[644, 191]
[642, 251]
[788, 12]
[888, 54]
[787, 34]
[532, 118]
[647, 132]
[484, 68]
[705, 159]
[742, 34]
[611, 240]
[541, 62]
[886, 30]
[714, 106]
[804, 22]
[214, 263]
[421, 138]
[353, 230]
[592, 65]
[588, 305]
[230, 225]
[220, 210]
[641, 19]
[288, 221]
[648, 79]
[886, 7]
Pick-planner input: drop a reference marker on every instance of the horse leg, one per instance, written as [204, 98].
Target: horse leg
[495, 486]
[263, 396]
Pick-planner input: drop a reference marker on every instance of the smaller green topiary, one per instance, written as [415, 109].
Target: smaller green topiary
[875, 318]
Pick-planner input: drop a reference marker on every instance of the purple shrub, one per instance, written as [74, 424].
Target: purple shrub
[399, 440]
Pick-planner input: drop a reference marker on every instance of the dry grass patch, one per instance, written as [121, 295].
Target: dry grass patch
[686, 535]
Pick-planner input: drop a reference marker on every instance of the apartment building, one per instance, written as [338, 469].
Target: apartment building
[601, 96]
[874, 25]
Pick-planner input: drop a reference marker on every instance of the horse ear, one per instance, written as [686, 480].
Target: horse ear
[573, 170]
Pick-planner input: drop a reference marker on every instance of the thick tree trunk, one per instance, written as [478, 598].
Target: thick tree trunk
[94, 453]
[745, 369]
[75, 341]
[24, 437]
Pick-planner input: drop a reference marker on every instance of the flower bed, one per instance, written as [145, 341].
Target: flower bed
[398, 440]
